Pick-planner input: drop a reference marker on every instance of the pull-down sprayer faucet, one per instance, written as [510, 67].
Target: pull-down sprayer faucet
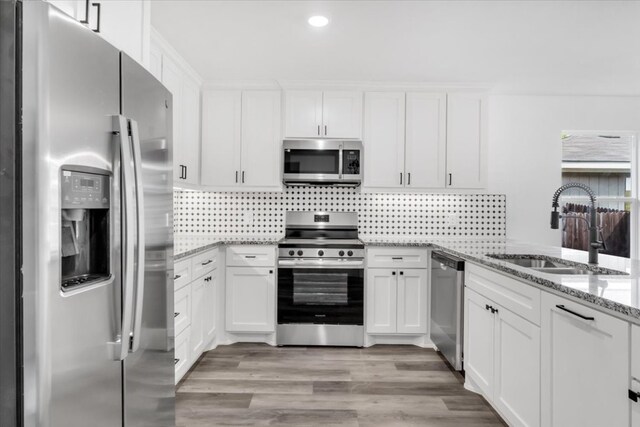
[594, 244]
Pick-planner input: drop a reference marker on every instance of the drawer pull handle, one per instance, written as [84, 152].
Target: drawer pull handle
[489, 307]
[397, 258]
[176, 314]
[634, 395]
[563, 308]
[176, 277]
[208, 262]
[175, 361]
[249, 256]
[207, 279]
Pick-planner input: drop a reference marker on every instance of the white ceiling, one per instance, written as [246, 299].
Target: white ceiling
[573, 47]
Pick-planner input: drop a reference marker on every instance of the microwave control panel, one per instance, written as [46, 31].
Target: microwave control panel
[351, 162]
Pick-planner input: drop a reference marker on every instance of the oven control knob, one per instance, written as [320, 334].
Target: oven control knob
[291, 253]
[341, 253]
[350, 253]
[320, 253]
[300, 253]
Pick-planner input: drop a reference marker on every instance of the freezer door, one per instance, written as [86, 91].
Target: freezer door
[70, 93]
[149, 368]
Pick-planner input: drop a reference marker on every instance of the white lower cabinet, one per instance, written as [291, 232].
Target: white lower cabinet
[396, 301]
[635, 376]
[181, 357]
[250, 299]
[197, 313]
[502, 359]
[210, 313]
[585, 366]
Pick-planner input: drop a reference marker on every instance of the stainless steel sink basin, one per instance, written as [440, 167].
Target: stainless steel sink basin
[551, 265]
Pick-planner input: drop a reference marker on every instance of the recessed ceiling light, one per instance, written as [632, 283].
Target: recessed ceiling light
[318, 21]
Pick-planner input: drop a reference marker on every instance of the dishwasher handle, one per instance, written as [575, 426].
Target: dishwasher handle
[445, 261]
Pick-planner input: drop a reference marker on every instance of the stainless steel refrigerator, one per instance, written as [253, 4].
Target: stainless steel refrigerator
[93, 189]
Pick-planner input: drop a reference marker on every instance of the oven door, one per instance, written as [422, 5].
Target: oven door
[320, 295]
[311, 161]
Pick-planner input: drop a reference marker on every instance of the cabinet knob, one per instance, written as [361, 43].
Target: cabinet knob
[402, 273]
[270, 271]
[393, 273]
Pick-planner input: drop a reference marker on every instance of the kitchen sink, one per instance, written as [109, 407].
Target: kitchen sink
[551, 265]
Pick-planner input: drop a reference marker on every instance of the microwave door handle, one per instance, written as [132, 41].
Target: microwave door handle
[136, 331]
[121, 130]
[340, 170]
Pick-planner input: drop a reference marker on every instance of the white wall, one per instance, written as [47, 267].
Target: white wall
[525, 151]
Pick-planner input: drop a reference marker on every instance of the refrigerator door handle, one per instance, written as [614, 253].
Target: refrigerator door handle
[140, 256]
[121, 130]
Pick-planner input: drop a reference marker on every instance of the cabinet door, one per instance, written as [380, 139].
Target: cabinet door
[261, 153]
[342, 114]
[210, 309]
[250, 299]
[635, 374]
[122, 23]
[381, 300]
[384, 140]
[181, 360]
[191, 131]
[466, 140]
[172, 79]
[221, 143]
[155, 62]
[426, 144]
[412, 301]
[479, 334]
[517, 369]
[303, 114]
[585, 366]
[197, 317]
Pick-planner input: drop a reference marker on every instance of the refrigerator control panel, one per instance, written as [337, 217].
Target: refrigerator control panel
[85, 190]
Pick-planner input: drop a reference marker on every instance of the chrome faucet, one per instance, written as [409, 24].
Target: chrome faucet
[594, 244]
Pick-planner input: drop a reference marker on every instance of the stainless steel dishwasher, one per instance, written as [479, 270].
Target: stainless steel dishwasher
[447, 306]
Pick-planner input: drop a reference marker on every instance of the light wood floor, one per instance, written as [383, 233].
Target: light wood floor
[260, 385]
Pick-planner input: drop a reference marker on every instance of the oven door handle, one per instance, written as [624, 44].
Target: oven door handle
[308, 263]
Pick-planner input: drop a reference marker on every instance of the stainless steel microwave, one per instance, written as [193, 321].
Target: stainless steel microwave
[322, 162]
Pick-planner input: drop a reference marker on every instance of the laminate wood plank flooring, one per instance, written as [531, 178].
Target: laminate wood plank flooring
[384, 385]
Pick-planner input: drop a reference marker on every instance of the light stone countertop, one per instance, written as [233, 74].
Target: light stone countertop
[617, 294]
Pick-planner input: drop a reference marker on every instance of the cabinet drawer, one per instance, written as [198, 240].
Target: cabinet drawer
[520, 298]
[181, 354]
[251, 256]
[181, 273]
[182, 309]
[397, 257]
[203, 263]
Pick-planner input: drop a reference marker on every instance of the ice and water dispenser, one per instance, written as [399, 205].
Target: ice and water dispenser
[85, 227]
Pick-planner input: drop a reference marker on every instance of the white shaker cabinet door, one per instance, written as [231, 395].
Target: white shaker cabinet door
[635, 374]
[585, 366]
[210, 305]
[342, 114]
[517, 369]
[412, 301]
[197, 316]
[303, 114]
[191, 131]
[250, 299]
[426, 142]
[479, 335]
[261, 152]
[381, 298]
[221, 133]
[172, 79]
[466, 140]
[384, 140]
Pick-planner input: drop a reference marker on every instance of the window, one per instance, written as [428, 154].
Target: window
[606, 162]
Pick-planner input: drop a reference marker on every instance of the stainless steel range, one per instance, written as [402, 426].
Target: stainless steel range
[321, 280]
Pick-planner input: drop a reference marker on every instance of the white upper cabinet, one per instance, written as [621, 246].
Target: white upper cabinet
[124, 24]
[261, 138]
[186, 122]
[384, 139]
[303, 109]
[221, 138]
[317, 114]
[466, 140]
[585, 366]
[241, 139]
[426, 143]
[155, 62]
[342, 115]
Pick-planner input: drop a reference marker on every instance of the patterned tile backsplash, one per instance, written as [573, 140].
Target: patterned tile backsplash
[379, 214]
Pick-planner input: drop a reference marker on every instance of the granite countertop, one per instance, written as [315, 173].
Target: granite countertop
[618, 294]
[185, 245]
